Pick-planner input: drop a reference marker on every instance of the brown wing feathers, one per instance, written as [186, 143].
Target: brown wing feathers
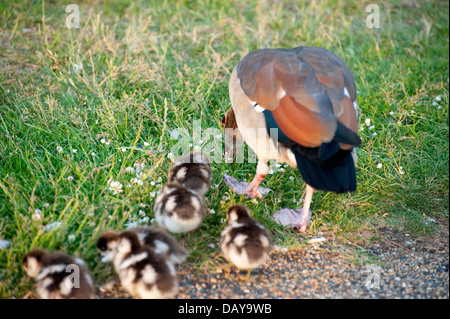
[304, 89]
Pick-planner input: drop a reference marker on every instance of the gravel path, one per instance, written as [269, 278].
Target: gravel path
[396, 266]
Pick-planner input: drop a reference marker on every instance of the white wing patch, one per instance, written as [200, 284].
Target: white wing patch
[240, 239]
[161, 247]
[346, 93]
[132, 260]
[258, 108]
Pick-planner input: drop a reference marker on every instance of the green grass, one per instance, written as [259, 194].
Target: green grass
[134, 69]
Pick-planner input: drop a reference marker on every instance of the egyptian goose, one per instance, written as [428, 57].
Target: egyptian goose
[192, 171]
[244, 242]
[59, 275]
[157, 239]
[142, 272]
[298, 106]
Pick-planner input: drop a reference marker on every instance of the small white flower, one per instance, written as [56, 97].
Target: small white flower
[412, 111]
[103, 141]
[71, 238]
[145, 219]
[401, 171]
[277, 165]
[379, 165]
[93, 154]
[374, 134]
[107, 143]
[136, 181]
[212, 211]
[391, 113]
[74, 151]
[291, 178]
[211, 245]
[37, 216]
[270, 171]
[152, 183]
[254, 201]
[46, 205]
[141, 213]
[129, 169]
[142, 205]
[437, 98]
[361, 128]
[434, 103]
[77, 67]
[123, 149]
[146, 144]
[170, 155]
[52, 226]
[159, 180]
[222, 220]
[139, 174]
[70, 178]
[367, 122]
[139, 166]
[59, 149]
[371, 127]
[115, 187]
[152, 194]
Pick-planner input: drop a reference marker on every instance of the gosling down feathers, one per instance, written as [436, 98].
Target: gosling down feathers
[59, 275]
[244, 242]
[298, 106]
[142, 272]
[193, 172]
[156, 239]
[178, 209]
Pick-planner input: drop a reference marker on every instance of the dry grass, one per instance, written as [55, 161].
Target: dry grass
[133, 70]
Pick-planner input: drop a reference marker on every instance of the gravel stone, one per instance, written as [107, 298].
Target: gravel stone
[327, 270]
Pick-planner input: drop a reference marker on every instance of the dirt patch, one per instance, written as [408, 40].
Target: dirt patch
[436, 243]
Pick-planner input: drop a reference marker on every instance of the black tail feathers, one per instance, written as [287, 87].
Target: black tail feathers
[334, 173]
